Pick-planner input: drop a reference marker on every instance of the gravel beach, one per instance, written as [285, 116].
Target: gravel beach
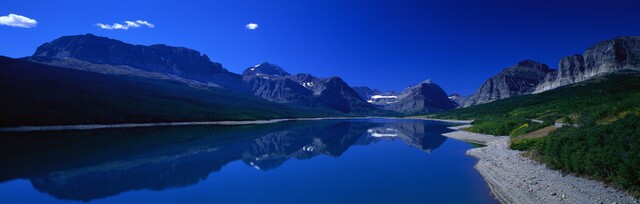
[516, 179]
[469, 136]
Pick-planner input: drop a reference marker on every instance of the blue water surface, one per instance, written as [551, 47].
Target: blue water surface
[326, 161]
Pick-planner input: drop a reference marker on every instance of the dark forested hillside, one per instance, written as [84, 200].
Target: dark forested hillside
[37, 94]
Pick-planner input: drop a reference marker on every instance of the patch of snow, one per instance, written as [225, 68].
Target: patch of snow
[308, 148]
[389, 132]
[307, 84]
[375, 134]
[385, 97]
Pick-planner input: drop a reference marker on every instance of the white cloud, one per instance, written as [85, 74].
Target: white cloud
[251, 26]
[145, 23]
[126, 25]
[131, 24]
[18, 21]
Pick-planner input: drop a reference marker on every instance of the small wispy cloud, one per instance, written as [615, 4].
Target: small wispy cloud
[16, 20]
[126, 25]
[251, 26]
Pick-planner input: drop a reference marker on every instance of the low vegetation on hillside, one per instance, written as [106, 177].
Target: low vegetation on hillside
[606, 142]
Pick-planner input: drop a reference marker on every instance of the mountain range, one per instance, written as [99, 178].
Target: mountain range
[87, 79]
[527, 77]
[273, 83]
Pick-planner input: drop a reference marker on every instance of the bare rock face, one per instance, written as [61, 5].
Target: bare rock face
[612, 55]
[605, 57]
[571, 69]
[281, 90]
[426, 97]
[178, 61]
[520, 79]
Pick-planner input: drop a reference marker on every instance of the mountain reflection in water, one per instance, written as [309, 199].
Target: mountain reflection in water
[87, 165]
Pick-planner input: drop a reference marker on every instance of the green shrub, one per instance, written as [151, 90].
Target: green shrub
[610, 153]
[503, 126]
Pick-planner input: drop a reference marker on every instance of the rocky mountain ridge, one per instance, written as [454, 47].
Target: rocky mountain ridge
[608, 56]
[273, 83]
[168, 60]
[605, 57]
[522, 78]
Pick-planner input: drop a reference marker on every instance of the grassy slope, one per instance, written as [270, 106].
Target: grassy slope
[599, 101]
[606, 146]
[36, 94]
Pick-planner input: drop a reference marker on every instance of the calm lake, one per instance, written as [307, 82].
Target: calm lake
[325, 161]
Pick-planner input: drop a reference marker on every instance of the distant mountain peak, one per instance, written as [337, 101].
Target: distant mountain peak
[263, 64]
[534, 65]
[265, 68]
[425, 97]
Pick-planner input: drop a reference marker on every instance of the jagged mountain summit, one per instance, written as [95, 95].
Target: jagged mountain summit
[273, 83]
[425, 97]
[520, 79]
[265, 69]
[605, 57]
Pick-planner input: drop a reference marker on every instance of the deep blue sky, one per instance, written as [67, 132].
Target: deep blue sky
[387, 45]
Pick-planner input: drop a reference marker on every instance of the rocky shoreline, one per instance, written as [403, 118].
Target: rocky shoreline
[513, 178]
